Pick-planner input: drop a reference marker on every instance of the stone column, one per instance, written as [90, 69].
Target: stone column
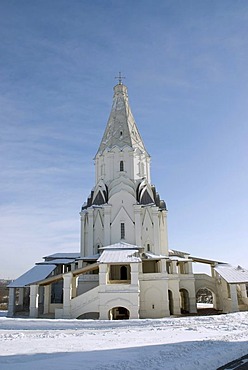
[67, 295]
[47, 298]
[103, 270]
[74, 286]
[11, 304]
[21, 297]
[34, 301]
[163, 266]
[234, 298]
[189, 267]
[174, 267]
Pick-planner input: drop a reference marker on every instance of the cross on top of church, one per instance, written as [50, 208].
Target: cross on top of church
[120, 78]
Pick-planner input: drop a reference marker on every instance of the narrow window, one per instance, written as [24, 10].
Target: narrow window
[122, 230]
[121, 166]
[148, 247]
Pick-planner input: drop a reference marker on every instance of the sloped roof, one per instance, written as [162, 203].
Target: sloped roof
[57, 261]
[121, 245]
[173, 252]
[233, 275]
[63, 255]
[35, 274]
[121, 129]
[152, 256]
[119, 256]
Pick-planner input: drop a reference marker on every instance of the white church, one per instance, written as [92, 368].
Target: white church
[125, 269]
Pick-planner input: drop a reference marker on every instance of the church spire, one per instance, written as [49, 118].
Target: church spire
[121, 129]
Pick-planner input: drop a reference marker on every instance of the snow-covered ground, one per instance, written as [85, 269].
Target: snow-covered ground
[188, 343]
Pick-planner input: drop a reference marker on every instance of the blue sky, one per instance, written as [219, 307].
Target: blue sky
[185, 64]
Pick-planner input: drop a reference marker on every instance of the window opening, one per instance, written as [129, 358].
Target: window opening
[122, 230]
[121, 166]
[123, 273]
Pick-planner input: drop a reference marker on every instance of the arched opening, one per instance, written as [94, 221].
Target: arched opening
[184, 300]
[119, 313]
[205, 300]
[89, 315]
[171, 304]
[123, 273]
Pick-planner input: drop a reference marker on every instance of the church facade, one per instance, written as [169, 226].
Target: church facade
[125, 268]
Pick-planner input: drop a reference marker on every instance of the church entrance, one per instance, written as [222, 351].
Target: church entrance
[184, 300]
[119, 313]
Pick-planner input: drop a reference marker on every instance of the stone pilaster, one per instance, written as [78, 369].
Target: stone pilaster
[82, 217]
[107, 212]
[137, 220]
[89, 249]
[156, 230]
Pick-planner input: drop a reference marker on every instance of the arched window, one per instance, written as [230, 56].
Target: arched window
[121, 166]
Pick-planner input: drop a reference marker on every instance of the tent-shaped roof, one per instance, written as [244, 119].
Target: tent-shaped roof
[121, 129]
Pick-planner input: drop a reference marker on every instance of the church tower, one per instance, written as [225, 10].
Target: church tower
[123, 205]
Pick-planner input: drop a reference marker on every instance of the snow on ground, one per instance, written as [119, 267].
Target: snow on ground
[188, 343]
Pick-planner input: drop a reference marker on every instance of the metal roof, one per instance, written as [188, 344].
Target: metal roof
[173, 252]
[120, 256]
[152, 256]
[179, 259]
[35, 274]
[233, 275]
[63, 255]
[121, 245]
[57, 261]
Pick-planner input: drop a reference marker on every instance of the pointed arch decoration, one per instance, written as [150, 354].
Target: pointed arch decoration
[100, 195]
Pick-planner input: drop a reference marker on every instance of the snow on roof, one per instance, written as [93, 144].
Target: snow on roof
[121, 245]
[179, 259]
[173, 252]
[150, 255]
[57, 261]
[119, 256]
[37, 273]
[63, 255]
[233, 275]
